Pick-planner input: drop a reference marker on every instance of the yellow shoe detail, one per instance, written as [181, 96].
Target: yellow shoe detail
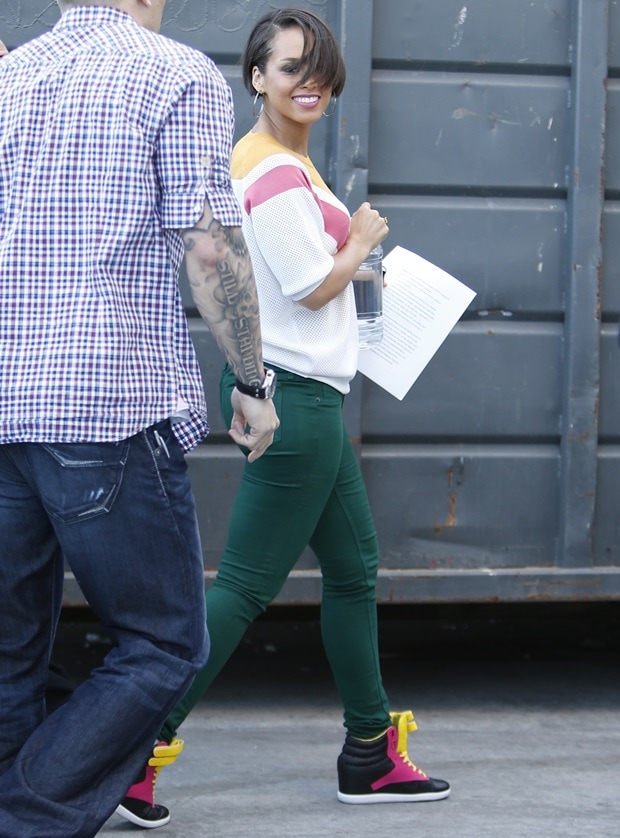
[372, 738]
[166, 754]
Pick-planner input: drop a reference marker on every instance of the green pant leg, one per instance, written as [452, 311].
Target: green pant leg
[345, 543]
[279, 503]
[228, 617]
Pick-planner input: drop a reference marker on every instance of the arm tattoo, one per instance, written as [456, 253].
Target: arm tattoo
[225, 294]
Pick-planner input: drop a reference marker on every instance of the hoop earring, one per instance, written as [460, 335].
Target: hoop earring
[262, 105]
[331, 113]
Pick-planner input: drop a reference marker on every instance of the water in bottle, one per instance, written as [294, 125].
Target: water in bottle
[368, 288]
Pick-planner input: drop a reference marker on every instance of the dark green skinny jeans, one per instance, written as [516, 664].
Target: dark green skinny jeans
[307, 489]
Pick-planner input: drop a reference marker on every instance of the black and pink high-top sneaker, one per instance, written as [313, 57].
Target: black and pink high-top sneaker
[138, 805]
[380, 771]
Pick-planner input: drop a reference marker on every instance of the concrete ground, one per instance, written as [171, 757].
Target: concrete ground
[520, 713]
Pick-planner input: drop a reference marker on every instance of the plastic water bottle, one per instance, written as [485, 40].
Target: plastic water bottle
[368, 288]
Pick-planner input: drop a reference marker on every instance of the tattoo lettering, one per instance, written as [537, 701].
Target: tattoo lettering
[242, 308]
[225, 295]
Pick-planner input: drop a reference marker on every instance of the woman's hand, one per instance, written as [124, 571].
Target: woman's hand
[368, 228]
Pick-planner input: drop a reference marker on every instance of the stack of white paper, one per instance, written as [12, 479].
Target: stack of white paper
[421, 305]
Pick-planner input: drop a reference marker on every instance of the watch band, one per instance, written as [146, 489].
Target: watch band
[260, 391]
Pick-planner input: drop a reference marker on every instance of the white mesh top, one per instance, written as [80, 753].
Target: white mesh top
[293, 225]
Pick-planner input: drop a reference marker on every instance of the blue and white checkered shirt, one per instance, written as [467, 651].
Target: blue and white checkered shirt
[111, 139]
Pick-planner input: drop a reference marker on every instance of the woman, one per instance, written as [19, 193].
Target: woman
[307, 489]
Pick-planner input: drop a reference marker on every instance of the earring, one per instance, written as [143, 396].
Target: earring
[262, 105]
[335, 102]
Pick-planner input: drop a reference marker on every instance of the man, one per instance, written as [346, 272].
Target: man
[114, 152]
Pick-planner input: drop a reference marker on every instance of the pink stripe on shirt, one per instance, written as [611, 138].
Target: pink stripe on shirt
[285, 177]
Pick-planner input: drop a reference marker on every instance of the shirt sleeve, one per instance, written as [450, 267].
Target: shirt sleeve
[289, 229]
[193, 154]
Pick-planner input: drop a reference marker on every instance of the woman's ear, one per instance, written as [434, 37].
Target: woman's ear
[257, 80]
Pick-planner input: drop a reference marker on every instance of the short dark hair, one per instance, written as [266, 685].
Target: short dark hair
[321, 57]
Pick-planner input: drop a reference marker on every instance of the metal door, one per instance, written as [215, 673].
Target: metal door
[487, 130]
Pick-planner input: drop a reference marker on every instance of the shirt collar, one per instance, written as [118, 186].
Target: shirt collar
[93, 15]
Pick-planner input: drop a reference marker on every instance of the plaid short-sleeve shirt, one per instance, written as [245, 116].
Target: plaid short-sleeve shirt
[111, 139]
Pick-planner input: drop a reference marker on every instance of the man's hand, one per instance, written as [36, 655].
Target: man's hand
[260, 415]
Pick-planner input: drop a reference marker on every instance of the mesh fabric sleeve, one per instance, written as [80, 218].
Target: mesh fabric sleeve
[288, 226]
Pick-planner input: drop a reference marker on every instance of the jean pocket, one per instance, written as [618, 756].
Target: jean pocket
[79, 481]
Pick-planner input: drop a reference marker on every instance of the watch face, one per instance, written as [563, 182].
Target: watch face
[266, 389]
[269, 384]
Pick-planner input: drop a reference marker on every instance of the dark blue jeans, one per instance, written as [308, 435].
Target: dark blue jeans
[123, 515]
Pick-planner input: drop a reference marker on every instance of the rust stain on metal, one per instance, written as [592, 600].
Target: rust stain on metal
[450, 521]
[450, 476]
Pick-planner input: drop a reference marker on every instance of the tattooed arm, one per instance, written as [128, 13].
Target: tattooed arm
[222, 285]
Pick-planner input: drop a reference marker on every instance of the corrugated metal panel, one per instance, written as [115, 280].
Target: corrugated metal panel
[449, 495]
[486, 384]
[479, 33]
[467, 131]
[488, 131]
[609, 427]
[521, 274]
[487, 103]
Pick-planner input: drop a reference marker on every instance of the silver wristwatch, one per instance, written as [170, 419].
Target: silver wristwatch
[260, 391]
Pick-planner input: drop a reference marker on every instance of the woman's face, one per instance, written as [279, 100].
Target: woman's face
[283, 95]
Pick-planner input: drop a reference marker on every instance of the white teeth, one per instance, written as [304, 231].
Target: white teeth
[306, 99]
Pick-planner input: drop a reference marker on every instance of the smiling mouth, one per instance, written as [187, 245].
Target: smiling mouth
[306, 100]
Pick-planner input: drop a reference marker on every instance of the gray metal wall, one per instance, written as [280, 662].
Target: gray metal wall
[488, 131]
